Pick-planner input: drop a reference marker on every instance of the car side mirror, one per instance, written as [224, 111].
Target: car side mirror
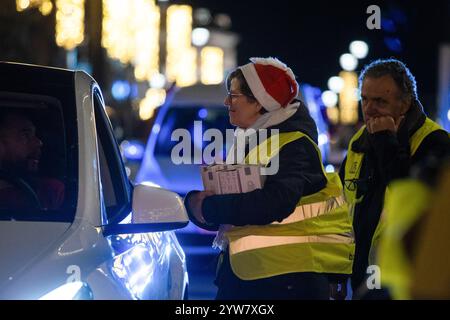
[155, 205]
[153, 210]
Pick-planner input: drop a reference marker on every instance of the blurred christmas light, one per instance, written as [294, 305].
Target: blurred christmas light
[202, 16]
[69, 23]
[222, 20]
[130, 34]
[147, 25]
[202, 113]
[181, 58]
[187, 68]
[335, 84]
[348, 103]
[22, 5]
[322, 139]
[329, 98]
[388, 25]
[200, 36]
[158, 81]
[117, 28]
[348, 62]
[212, 65]
[120, 90]
[44, 6]
[359, 49]
[153, 99]
[393, 44]
[333, 115]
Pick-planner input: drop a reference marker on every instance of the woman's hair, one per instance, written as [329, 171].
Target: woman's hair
[243, 86]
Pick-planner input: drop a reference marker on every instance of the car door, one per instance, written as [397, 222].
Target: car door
[140, 262]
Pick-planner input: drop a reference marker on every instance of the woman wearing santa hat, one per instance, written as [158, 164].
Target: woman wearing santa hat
[289, 238]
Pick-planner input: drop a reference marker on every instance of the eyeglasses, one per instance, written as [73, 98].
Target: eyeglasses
[234, 95]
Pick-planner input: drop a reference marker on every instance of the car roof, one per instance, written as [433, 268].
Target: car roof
[23, 71]
[205, 95]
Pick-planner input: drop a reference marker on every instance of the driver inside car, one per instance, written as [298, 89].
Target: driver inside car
[21, 185]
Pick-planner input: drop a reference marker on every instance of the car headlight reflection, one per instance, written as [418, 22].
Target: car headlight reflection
[70, 291]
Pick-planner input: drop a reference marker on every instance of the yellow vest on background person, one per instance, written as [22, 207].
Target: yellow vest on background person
[316, 237]
[353, 168]
[430, 272]
[405, 204]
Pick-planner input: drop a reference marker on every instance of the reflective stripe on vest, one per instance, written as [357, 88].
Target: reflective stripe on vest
[315, 237]
[312, 210]
[257, 242]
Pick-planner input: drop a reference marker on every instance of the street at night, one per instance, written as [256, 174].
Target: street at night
[254, 151]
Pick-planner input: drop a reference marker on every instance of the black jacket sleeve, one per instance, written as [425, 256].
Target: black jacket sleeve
[299, 174]
[210, 227]
[342, 170]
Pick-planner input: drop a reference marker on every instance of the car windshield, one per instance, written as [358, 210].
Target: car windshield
[183, 117]
[38, 155]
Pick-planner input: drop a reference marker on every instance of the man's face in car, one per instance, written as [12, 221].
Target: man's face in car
[21, 149]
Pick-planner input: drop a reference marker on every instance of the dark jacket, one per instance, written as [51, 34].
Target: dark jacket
[299, 174]
[386, 158]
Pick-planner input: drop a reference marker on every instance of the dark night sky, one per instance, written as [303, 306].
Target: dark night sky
[310, 36]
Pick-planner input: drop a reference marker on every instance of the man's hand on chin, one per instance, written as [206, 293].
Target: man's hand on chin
[383, 123]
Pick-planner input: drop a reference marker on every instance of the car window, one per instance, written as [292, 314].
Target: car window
[116, 189]
[38, 178]
[183, 118]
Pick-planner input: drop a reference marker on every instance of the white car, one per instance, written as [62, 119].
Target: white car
[106, 239]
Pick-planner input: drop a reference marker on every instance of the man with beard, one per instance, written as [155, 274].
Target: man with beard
[21, 186]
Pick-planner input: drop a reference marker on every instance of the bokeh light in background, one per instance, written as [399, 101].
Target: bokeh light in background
[181, 57]
[130, 34]
[69, 23]
[329, 98]
[120, 90]
[335, 84]
[212, 65]
[359, 49]
[158, 81]
[348, 104]
[153, 99]
[44, 6]
[132, 150]
[200, 36]
[348, 62]
[203, 113]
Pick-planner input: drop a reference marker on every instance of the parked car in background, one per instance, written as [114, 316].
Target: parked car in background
[196, 103]
[107, 238]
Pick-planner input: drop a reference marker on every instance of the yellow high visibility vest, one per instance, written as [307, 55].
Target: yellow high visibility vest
[316, 237]
[404, 205]
[353, 168]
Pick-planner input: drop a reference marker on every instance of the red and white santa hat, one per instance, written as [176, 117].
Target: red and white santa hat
[271, 82]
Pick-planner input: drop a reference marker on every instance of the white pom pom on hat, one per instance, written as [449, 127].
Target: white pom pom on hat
[272, 83]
